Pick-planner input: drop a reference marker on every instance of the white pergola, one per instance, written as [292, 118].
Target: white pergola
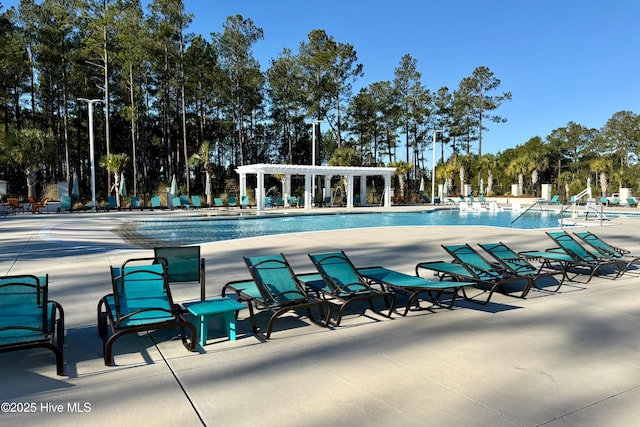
[309, 173]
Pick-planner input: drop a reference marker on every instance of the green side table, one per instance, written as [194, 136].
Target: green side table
[225, 308]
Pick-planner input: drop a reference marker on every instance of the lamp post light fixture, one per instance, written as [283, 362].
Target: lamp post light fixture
[433, 167]
[90, 103]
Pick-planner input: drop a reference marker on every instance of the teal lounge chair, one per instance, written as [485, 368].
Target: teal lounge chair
[607, 250]
[244, 202]
[176, 203]
[141, 301]
[196, 202]
[341, 281]
[631, 202]
[469, 266]
[155, 203]
[275, 287]
[511, 262]
[231, 201]
[112, 203]
[185, 203]
[555, 200]
[583, 258]
[184, 265]
[481, 269]
[413, 287]
[217, 201]
[135, 203]
[28, 318]
[65, 204]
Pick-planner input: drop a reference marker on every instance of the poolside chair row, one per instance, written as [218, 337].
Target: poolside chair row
[141, 298]
[274, 286]
[571, 256]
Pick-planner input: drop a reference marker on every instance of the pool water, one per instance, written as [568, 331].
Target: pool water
[201, 230]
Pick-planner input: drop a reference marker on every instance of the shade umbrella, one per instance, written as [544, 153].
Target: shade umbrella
[421, 190]
[445, 188]
[75, 191]
[481, 185]
[123, 185]
[174, 186]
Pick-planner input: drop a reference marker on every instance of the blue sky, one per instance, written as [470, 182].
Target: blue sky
[562, 60]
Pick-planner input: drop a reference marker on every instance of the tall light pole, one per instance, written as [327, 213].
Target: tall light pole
[90, 103]
[313, 155]
[433, 168]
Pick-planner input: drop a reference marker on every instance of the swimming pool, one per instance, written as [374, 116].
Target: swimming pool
[207, 229]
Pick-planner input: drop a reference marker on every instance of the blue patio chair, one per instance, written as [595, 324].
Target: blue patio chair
[28, 319]
[141, 301]
[155, 203]
[470, 266]
[341, 281]
[581, 257]
[231, 201]
[510, 261]
[176, 203]
[65, 204]
[217, 201]
[275, 287]
[184, 202]
[608, 250]
[184, 265]
[135, 203]
[112, 203]
[244, 202]
[196, 202]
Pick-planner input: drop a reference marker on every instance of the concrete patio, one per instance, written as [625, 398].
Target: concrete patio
[570, 358]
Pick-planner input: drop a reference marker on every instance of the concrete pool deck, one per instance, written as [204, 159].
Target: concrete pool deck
[570, 358]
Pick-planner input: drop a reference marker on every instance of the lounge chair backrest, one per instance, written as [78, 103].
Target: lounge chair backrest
[112, 202]
[23, 299]
[141, 290]
[275, 279]
[196, 201]
[244, 201]
[184, 264]
[509, 258]
[65, 202]
[175, 202]
[600, 245]
[231, 200]
[472, 260]
[338, 272]
[218, 202]
[185, 200]
[572, 247]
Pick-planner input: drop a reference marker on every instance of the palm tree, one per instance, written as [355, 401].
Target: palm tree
[599, 166]
[518, 168]
[115, 163]
[402, 169]
[203, 158]
[30, 149]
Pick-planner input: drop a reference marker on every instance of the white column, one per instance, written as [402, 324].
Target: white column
[287, 190]
[327, 187]
[243, 185]
[387, 191]
[363, 190]
[349, 191]
[260, 192]
[308, 192]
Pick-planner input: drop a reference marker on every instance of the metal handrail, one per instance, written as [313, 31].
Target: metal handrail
[539, 204]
